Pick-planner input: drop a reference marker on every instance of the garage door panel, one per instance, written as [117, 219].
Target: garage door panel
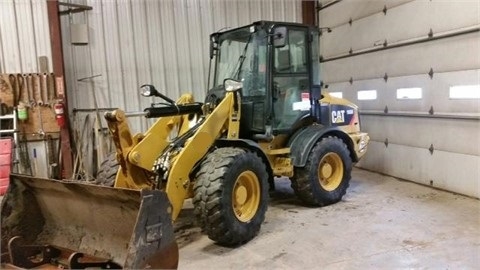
[456, 172]
[440, 88]
[418, 165]
[440, 16]
[337, 42]
[342, 12]
[399, 161]
[408, 60]
[449, 15]
[360, 34]
[458, 136]
[435, 93]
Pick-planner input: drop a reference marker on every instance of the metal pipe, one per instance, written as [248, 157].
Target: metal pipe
[421, 115]
[135, 114]
[93, 110]
[74, 5]
[448, 34]
[8, 131]
[73, 8]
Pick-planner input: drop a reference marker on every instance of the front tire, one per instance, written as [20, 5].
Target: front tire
[231, 195]
[326, 176]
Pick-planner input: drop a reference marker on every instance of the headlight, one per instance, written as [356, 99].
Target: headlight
[146, 90]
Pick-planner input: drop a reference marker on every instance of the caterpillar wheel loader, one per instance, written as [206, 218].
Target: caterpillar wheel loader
[264, 116]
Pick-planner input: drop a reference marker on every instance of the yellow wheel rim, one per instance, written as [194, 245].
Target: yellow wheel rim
[330, 171]
[246, 196]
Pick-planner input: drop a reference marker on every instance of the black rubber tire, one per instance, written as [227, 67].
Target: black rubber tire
[108, 171]
[306, 182]
[213, 195]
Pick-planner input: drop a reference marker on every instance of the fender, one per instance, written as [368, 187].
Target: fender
[249, 144]
[302, 142]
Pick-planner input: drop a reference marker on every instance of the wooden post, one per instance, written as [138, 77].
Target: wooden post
[58, 69]
[309, 12]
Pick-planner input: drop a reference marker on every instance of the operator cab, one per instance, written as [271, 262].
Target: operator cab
[278, 65]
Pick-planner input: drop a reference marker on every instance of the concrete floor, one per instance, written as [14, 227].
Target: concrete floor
[382, 223]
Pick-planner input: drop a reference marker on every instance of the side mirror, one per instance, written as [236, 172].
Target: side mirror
[280, 36]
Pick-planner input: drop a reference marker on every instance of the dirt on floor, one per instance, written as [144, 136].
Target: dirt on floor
[382, 223]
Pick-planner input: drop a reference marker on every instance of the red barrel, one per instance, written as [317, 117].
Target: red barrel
[5, 163]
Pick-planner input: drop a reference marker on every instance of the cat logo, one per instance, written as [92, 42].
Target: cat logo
[338, 116]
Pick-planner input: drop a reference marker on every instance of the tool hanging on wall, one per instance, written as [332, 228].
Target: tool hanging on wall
[41, 131]
[51, 92]
[15, 90]
[44, 90]
[31, 96]
[37, 89]
[20, 90]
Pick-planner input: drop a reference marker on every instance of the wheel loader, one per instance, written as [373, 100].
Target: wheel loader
[264, 116]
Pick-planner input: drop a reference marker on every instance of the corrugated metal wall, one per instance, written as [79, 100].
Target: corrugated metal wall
[24, 36]
[413, 145]
[164, 43]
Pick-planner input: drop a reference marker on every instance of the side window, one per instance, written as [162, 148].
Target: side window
[292, 57]
[315, 59]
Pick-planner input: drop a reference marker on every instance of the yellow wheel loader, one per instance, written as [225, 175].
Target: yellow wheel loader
[263, 117]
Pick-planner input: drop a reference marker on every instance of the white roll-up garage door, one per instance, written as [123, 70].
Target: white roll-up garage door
[413, 67]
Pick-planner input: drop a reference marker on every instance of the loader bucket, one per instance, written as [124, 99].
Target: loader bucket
[75, 225]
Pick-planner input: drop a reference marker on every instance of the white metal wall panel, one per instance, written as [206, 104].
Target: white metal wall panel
[455, 162]
[160, 42]
[24, 36]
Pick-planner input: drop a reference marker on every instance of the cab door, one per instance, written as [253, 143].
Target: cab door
[290, 80]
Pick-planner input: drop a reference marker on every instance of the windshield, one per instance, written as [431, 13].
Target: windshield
[242, 56]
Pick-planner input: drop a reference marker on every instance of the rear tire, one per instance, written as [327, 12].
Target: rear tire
[326, 175]
[108, 171]
[231, 195]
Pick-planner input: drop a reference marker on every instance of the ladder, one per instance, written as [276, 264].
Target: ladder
[14, 133]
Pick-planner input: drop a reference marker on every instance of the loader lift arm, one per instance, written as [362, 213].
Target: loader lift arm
[137, 154]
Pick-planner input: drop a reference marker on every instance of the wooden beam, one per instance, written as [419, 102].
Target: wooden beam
[58, 69]
[309, 12]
